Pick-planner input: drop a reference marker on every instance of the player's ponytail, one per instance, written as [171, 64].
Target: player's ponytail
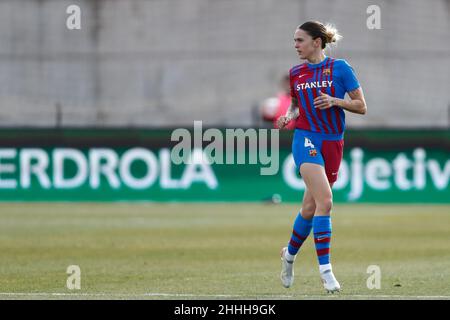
[328, 33]
[332, 35]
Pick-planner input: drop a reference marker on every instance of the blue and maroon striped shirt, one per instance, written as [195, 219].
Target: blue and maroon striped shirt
[334, 77]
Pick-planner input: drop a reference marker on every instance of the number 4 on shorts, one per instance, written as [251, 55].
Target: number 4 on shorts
[308, 143]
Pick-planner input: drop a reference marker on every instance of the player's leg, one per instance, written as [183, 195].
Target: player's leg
[321, 182]
[303, 222]
[317, 182]
[300, 232]
[302, 226]
[308, 205]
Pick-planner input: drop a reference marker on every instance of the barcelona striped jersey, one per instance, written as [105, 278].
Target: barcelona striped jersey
[334, 77]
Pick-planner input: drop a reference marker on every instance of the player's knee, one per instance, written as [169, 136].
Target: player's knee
[308, 209]
[325, 205]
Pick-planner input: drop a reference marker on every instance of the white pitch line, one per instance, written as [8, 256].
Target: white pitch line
[57, 294]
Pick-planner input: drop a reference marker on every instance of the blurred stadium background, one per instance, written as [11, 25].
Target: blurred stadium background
[138, 69]
[168, 63]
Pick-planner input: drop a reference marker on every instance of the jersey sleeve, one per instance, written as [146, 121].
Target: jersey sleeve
[349, 78]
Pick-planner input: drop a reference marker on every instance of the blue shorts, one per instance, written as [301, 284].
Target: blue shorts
[323, 149]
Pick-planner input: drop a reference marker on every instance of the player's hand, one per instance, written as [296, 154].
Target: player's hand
[282, 122]
[323, 101]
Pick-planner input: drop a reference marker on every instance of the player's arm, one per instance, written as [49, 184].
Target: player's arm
[291, 113]
[357, 104]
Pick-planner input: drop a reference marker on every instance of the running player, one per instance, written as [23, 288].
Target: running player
[318, 87]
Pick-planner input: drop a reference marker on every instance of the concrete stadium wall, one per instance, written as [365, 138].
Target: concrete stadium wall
[170, 62]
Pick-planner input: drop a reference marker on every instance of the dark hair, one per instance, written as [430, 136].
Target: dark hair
[317, 29]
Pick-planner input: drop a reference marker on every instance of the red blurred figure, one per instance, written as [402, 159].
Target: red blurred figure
[275, 107]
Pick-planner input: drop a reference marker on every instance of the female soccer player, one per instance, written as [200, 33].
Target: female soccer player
[318, 87]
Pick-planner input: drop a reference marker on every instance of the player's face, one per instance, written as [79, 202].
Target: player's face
[305, 45]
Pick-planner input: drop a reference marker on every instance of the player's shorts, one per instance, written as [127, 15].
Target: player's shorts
[323, 149]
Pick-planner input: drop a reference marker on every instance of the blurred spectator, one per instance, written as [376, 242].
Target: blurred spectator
[275, 107]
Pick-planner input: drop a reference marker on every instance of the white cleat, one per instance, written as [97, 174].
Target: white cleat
[329, 281]
[287, 270]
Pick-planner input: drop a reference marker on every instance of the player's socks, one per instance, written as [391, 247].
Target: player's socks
[300, 232]
[322, 238]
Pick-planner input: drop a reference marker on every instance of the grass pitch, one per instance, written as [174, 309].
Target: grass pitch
[216, 251]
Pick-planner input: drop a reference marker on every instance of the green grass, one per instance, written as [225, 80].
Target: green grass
[209, 251]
